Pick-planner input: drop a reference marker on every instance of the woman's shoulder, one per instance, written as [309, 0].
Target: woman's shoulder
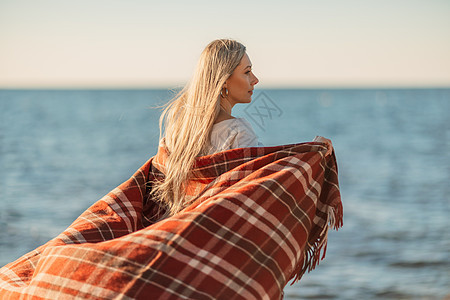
[242, 125]
[232, 133]
[234, 124]
[243, 122]
[245, 135]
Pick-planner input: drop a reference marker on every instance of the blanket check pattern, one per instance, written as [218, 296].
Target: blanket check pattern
[257, 218]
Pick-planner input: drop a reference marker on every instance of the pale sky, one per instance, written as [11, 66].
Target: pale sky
[144, 43]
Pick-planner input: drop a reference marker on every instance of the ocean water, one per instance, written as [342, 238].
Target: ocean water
[62, 150]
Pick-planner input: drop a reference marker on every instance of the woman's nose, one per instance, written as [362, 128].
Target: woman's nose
[255, 80]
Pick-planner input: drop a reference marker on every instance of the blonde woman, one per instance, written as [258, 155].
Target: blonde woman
[198, 120]
[261, 219]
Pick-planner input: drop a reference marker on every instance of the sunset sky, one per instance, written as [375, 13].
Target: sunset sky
[144, 44]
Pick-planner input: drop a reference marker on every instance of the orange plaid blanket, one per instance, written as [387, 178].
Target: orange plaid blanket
[259, 218]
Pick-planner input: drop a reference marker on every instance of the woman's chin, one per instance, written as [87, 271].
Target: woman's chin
[245, 99]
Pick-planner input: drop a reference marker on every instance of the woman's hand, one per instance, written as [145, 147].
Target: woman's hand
[326, 141]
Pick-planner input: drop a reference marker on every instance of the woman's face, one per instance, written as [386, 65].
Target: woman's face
[240, 83]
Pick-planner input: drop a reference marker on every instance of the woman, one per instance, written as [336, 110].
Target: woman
[198, 120]
[262, 219]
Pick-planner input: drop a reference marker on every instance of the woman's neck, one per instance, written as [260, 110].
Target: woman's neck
[223, 115]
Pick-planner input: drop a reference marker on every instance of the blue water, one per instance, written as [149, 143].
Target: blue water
[60, 151]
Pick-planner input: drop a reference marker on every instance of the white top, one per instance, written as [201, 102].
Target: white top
[231, 134]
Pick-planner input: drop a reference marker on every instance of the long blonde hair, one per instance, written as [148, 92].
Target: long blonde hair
[186, 122]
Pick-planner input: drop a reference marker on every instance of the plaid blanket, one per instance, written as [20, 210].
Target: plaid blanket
[257, 218]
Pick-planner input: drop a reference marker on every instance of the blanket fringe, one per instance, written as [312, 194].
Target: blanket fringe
[312, 257]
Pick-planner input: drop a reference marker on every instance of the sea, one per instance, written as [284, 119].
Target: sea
[62, 150]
